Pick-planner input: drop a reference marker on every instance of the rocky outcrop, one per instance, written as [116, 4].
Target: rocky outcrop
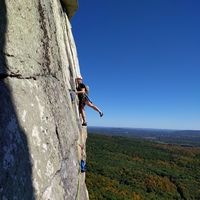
[40, 129]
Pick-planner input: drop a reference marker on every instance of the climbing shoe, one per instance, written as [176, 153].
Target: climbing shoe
[83, 167]
[101, 114]
[84, 124]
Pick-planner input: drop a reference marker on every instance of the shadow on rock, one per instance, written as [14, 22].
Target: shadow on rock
[15, 162]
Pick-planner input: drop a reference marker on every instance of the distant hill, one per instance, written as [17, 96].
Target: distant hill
[120, 168]
[183, 137]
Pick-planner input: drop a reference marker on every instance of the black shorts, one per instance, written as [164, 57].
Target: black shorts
[83, 100]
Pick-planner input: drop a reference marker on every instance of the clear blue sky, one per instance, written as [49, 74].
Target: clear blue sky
[141, 59]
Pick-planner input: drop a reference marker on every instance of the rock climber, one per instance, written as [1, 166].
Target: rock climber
[84, 100]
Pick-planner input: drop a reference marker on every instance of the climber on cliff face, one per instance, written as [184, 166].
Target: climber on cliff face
[84, 99]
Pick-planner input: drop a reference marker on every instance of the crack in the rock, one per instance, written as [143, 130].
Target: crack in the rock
[20, 76]
[7, 54]
[58, 137]
[45, 40]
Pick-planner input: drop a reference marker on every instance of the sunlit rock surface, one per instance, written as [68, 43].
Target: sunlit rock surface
[40, 129]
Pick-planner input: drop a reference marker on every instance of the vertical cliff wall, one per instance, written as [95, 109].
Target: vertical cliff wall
[40, 129]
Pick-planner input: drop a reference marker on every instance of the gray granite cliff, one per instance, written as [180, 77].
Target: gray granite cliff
[40, 130]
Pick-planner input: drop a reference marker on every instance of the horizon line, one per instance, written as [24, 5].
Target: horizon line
[94, 126]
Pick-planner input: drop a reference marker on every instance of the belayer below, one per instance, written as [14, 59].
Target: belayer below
[82, 91]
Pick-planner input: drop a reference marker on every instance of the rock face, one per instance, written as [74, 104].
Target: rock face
[40, 130]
